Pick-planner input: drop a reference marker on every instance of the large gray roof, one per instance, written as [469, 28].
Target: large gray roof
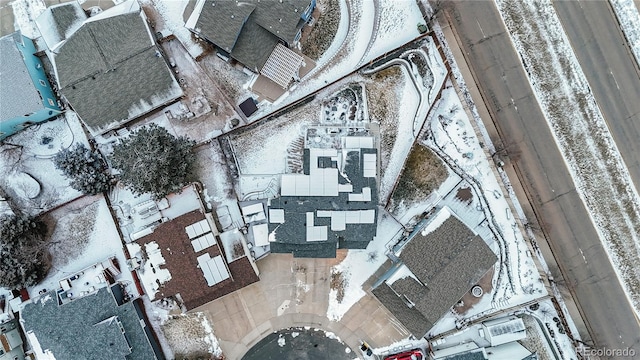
[86, 328]
[18, 95]
[290, 236]
[110, 70]
[250, 29]
[448, 261]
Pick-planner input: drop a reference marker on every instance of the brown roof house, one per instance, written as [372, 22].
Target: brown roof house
[256, 33]
[189, 259]
[107, 66]
[437, 265]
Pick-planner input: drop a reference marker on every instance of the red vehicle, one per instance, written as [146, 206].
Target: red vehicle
[415, 354]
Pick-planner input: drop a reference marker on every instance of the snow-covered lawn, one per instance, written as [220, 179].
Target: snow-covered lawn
[629, 18]
[264, 148]
[28, 155]
[84, 235]
[601, 177]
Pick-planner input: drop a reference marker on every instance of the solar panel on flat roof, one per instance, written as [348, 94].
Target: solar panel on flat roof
[316, 233]
[276, 216]
[252, 209]
[323, 213]
[367, 216]
[352, 217]
[309, 218]
[197, 246]
[288, 185]
[260, 234]
[338, 221]
[190, 232]
[205, 225]
[345, 187]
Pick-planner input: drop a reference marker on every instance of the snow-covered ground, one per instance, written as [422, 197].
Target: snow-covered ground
[629, 18]
[598, 171]
[25, 13]
[358, 266]
[172, 20]
[28, 154]
[102, 242]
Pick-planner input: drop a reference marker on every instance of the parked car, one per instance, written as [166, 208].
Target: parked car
[415, 354]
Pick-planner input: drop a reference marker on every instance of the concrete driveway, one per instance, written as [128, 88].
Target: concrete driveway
[295, 293]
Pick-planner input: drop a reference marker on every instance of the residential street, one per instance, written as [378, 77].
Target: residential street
[584, 264]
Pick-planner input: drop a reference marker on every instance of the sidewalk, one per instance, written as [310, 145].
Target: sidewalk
[295, 293]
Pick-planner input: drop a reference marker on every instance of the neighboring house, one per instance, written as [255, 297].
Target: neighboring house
[250, 30]
[100, 325]
[491, 340]
[10, 341]
[331, 205]
[187, 257]
[26, 96]
[107, 66]
[438, 265]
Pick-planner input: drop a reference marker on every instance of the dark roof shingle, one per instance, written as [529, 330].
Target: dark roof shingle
[86, 328]
[448, 261]
[110, 70]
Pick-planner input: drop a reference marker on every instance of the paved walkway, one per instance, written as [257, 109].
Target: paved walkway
[294, 292]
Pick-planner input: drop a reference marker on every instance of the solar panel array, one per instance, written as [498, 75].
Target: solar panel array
[213, 269]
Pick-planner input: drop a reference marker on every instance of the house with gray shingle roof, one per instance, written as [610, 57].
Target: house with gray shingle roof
[249, 30]
[101, 325]
[331, 205]
[108, 68]
[26, 96]
[437, 265]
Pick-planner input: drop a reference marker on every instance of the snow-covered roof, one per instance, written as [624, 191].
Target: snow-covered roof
[59, 21]
[505, 330]
[110, 70]
[18, 94]
[446, 259]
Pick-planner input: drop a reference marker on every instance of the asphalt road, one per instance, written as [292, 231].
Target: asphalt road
[610, 70]
[299, 344]
[583, 263]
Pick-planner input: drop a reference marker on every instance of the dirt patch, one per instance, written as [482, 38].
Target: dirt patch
[423, 172]
[338, 283]
[320, 36]
[189, 337]
[465, 195]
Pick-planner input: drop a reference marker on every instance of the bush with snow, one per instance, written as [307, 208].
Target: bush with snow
[85, 168]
